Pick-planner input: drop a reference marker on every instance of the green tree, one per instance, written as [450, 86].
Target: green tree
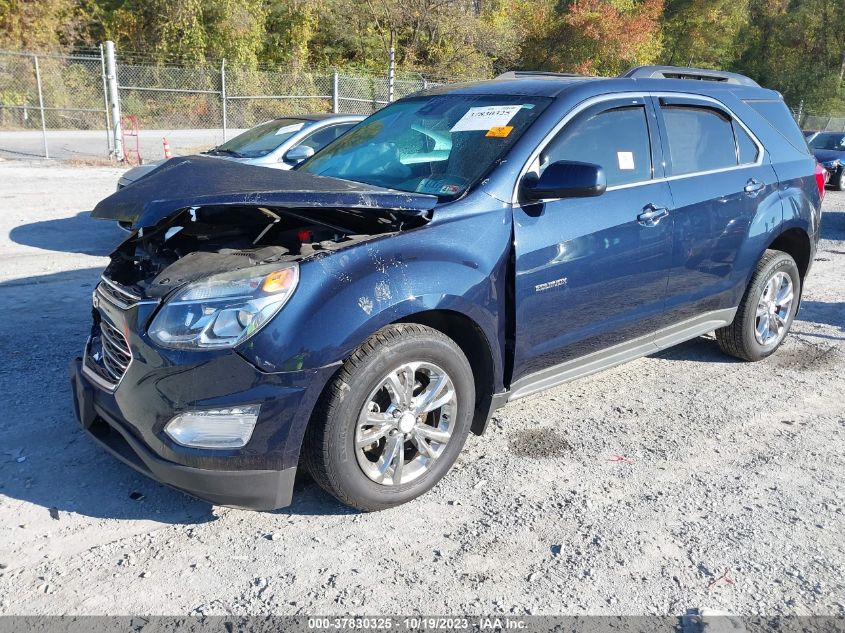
[37, 25]
[704, 33]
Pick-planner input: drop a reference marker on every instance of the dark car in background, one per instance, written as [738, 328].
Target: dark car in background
[460, 249]
[829, 150]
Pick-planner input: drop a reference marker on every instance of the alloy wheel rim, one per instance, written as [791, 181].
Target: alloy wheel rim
[773, 309]
[406, 423]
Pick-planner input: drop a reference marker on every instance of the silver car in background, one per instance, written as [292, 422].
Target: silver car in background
[279, 144]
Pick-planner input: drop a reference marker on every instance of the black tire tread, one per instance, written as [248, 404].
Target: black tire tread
[731, 338]
[315, 454]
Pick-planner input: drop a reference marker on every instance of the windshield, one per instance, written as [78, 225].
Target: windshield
[438, 145]
[260, 140]
[826, 140]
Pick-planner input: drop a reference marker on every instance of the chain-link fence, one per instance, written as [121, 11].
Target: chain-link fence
[51, 92]
[42, 97]
[820, 122]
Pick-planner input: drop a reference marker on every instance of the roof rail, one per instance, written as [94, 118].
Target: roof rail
[680, 72]
[520, 74]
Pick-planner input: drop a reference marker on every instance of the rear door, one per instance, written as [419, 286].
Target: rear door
[720, 180]
[591, 272]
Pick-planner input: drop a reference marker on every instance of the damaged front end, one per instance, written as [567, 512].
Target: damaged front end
[216, 251]
[224, 259]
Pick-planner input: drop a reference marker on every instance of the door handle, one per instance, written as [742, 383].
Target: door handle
[753, 186]
[651, 215]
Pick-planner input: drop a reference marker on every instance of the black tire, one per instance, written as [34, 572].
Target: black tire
[838, 181]
[329, 451]
[739, 339]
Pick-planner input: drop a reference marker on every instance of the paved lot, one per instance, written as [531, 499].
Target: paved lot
[88, 144]
[730, 495]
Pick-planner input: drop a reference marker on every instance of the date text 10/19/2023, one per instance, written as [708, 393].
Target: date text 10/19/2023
[416, 623]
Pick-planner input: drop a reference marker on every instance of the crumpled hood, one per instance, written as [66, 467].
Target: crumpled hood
[195, 181]
[827, 155]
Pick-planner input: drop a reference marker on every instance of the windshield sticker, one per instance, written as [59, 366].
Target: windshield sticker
[449, 190]
[285, 129]
[499, 132]
[486, 117]
[626, 160]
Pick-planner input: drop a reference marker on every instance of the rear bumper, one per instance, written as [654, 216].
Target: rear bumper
[241, 488]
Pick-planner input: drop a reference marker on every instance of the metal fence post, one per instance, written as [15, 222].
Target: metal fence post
[109, 144]
[114, 98]
[223, 94]
[41, 105]
[335, 93]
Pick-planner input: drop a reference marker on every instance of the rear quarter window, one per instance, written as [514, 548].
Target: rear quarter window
[780, 118]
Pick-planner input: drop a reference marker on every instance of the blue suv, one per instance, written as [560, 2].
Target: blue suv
[457, 250]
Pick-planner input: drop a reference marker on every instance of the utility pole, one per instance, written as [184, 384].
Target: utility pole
[41, 105]
[114, 98]
[223, 94]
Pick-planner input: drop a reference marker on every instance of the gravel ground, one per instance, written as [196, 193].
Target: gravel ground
[682, 480]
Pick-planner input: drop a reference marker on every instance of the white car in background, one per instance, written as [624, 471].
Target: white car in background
[279, 144]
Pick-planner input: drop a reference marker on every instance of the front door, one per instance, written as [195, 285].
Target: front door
[591, 272]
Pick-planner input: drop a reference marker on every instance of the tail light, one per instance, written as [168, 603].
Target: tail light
[821, 175]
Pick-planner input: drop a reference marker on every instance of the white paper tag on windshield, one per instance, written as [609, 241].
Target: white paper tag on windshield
[486, 117]
[626, 160]
[285, 129]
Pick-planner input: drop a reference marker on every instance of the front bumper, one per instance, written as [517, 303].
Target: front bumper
[251, 489]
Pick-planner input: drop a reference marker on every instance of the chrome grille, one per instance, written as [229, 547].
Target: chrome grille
[117, 295]
[116, 353]
[108, 355]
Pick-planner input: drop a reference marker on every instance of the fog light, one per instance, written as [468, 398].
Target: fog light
[214, 428]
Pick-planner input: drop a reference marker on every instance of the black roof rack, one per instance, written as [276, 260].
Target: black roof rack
[680, 72]
[520, 74]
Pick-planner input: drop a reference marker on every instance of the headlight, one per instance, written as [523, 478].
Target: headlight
[833, 164]
[224, 310]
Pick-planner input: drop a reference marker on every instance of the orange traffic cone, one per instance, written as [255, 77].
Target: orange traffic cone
[167, 153]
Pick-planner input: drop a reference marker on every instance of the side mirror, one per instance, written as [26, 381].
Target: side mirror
[565, 179]
[299, 154]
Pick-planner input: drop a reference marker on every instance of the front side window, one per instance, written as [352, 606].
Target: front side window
[700, 139]
[438, 144]
[616, 139]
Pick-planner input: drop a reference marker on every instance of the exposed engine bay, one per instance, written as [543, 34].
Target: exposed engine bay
[200, 241]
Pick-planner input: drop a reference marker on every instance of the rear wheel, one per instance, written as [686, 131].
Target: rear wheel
[393, 420]
[766, 311]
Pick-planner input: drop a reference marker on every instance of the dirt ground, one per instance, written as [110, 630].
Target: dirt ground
[682, 480]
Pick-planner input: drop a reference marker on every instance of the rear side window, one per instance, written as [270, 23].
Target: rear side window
[778, 115]
[748, 150]
[700, 139]
[616, 139]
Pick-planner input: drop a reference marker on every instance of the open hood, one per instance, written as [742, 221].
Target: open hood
[195, 181]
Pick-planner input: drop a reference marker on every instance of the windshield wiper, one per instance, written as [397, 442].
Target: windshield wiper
[228, 152]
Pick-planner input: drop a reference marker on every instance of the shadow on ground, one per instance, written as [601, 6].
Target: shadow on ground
[833, 225]
[77, 234]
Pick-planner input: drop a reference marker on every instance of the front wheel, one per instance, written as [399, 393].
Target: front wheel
[393, 420]
[766, 311]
